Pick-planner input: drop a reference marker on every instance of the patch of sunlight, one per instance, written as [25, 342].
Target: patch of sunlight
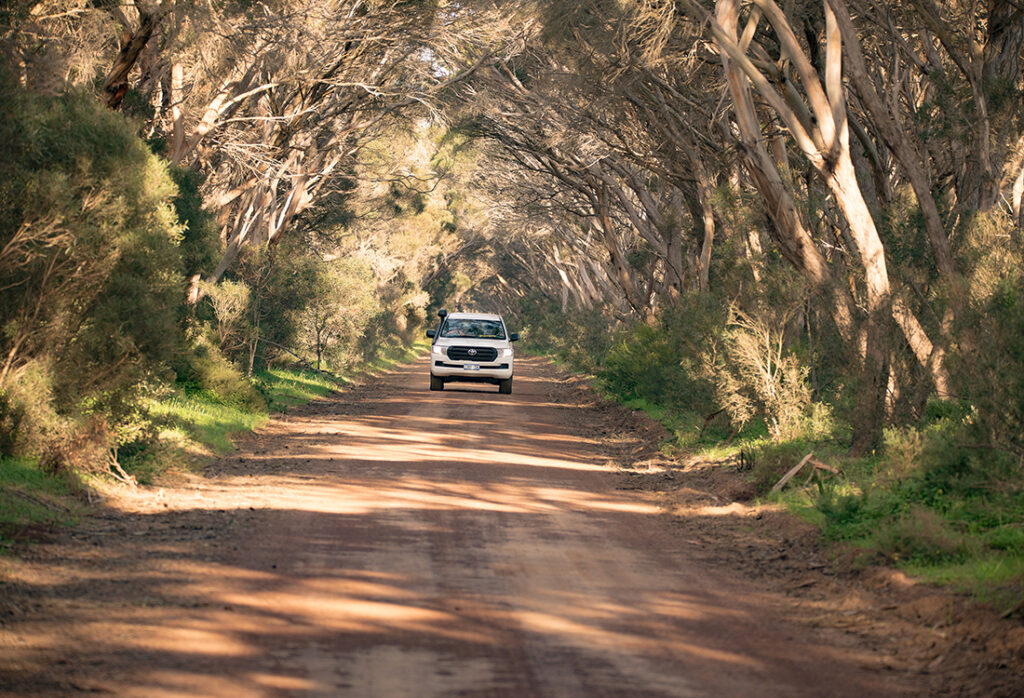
[279, 682]
[191, 641]
[207, 422]
[733, 509]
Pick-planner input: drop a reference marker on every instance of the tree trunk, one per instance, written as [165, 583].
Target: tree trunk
[821, 130]
[705, 189]
[871, 403]
[116, 84]
[789, 230]
[900, 144]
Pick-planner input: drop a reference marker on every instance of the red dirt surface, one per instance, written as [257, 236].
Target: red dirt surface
[391, 541]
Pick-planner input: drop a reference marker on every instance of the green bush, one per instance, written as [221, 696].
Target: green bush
[992, 378]
[28, 418]
[199, 231]
[932, 500]
[206, 370]
[280, 281]
[91, 271]
[668, 362]
[643, 362]
[922, 536]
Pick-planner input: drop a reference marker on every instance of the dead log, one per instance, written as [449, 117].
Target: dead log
[792, 471]
[816, 466]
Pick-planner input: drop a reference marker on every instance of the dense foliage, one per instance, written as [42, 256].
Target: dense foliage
[92, 271]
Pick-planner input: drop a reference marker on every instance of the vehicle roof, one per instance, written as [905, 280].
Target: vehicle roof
[473, 316]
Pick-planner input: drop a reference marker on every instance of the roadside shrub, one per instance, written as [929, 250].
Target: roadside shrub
[11, 416]
[856, 516]
[279, 280]
[922, 536]
[230, 302]
[669, 361]
[993, 379]
[356, 315]
[90, 272]
[84, 446]
[200, 234]
[987, 364]
[644, 363]
[952, 468]
[27, 415]
[902, 450]
[207, 370]
[581, 338]
[31, 426]
[757, 376]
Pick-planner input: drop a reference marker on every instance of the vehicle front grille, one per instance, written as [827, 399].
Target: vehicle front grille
[484, 354]
[445, 364]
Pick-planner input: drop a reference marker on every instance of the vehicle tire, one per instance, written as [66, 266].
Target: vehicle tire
[436, 383]
[505, 386]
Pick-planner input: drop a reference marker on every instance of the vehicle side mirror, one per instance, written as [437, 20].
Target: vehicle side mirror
[513, 336]
[431, 333]
[442, 313]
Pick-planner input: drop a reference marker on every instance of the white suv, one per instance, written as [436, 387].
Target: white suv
[471, 347]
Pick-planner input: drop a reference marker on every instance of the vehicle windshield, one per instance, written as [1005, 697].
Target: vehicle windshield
[475, 329]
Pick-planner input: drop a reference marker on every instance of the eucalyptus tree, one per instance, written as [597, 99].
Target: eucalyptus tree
[278, 119]
[802, 85]
[539, 240]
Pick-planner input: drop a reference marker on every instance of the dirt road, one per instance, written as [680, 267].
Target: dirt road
[396, 542]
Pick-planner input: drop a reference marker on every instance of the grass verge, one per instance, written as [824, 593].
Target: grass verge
[944, 513]
[33, 502]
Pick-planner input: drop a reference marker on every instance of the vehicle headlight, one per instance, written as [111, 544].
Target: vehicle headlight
[506, 352]
[437, 350]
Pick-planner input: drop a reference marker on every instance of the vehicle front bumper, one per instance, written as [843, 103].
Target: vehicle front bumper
[488, 372]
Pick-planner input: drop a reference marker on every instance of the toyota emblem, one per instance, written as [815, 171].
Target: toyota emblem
[472, 352]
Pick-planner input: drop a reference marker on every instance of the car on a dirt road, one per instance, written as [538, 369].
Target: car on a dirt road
[473, 348]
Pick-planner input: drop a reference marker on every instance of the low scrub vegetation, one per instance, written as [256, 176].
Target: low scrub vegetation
[184, 427]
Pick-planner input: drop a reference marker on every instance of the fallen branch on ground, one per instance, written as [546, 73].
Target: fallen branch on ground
[1013, 609]
[707, 420]
[816, 466]
[117, 471]
[792, 471]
